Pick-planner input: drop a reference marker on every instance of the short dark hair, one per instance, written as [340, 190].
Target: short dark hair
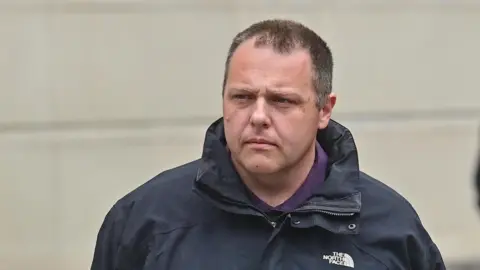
[284, 36]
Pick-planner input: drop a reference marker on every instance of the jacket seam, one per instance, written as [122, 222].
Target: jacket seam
[370, 254]
[146, 241]
[174, 229]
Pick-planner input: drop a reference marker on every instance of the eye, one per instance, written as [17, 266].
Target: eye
[241, 97]
[283, 100]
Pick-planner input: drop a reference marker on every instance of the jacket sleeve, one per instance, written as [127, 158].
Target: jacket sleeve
[108, 241]
[423, 252]
[435, 261]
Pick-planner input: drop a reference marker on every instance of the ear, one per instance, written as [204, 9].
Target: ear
[326, 112]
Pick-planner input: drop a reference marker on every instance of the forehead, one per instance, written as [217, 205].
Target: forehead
[263, 65]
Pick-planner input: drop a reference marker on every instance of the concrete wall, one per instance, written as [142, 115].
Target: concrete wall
[98, 96]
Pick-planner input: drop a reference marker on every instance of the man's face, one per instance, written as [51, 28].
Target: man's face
[269, 108]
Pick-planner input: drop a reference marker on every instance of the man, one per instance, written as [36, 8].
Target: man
[278, 185]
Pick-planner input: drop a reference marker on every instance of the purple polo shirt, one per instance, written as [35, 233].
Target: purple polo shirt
[315, 177]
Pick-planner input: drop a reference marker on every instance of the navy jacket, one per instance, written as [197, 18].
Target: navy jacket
[198, 216]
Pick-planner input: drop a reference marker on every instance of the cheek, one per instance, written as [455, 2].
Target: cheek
[235, 123]
[236, 119]
[288, 135]
[296, 132]
[229, 113]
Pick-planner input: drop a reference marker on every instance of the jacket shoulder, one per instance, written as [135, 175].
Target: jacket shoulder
[168, 194]
[389, 220]
[170, 182]
[378, 195]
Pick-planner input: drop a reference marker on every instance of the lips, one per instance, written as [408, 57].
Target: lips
[259, 141]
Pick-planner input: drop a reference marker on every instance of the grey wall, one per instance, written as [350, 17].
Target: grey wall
[98, 96]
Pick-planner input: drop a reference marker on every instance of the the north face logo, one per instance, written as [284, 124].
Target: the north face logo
[339, 258]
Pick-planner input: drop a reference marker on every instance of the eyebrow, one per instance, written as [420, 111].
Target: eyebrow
[243, 89]
[270, 91]
[280, 93]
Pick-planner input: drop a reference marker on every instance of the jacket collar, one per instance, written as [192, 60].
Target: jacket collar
[218, 180]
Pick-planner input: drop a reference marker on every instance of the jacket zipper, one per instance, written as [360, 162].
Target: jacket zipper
[272, 223]
[338, 214]
[333, 212]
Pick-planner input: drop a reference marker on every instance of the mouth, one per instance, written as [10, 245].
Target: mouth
[260, 142]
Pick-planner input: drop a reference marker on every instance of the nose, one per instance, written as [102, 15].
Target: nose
[260, 117]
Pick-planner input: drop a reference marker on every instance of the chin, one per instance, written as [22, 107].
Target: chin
[260, 165]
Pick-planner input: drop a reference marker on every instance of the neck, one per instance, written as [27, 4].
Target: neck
[275, 188]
